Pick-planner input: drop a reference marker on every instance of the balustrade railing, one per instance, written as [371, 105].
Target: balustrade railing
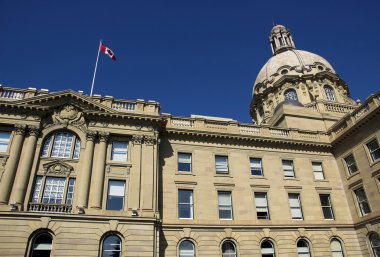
[44, 207]
[182, 122]
[249, 130]
[118, 105]
[10, 94]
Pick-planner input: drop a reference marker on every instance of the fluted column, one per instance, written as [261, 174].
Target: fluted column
[23, 175]
[86, 169]
[12, 163]
[99, 169]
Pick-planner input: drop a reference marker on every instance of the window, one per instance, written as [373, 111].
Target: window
[115, 198]
[186, 249]
[56, 190]
[291, 94]
[262, 209]
[329, 94]
[225, 205]
[42, 245]
[4, 141]
[111, 246]
[119, 151]
[228, 249]
[295, 206]
[267, 249]
[184, 162]
[326, 207]
[221, 164]
[351, 164]
[62, 145]
[288, 168]
[336, 248]
[362, 201]
[374, 241]
[318, 171]
[256, 166]
[303, 248]
[374, 150]
[185, 204]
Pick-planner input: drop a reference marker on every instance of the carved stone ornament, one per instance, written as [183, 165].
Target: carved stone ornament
[149, 140]
[33, 131]
[57, 167]
[103, 136]
[66, 115]
[90, 135]
[137, 139]
[20, 129]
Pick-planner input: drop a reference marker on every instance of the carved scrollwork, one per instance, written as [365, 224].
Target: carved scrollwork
[91, 135]
[33, 131]
[20, 129]
[104, 136]
[66, 115]
[57, 168]
[137, 139]
[149, 140]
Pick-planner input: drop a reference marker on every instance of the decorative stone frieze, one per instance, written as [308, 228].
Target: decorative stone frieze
[66, 114]
[58, 168]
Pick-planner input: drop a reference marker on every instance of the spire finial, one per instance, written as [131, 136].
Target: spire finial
[280, 39]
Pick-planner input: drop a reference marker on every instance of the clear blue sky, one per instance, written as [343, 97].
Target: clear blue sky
[194, 57]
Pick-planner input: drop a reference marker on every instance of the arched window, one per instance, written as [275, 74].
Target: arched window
[62, 145]
[329, 94]
[267, 249]
[374, 241]
[228, 249]
[291, 94]
[336, 248]
[186, 249]
[303, 248]
[111, 246]
[42, 245]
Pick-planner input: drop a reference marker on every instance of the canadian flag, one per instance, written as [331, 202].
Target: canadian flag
[107, 51]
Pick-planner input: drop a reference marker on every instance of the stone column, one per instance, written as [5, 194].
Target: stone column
[23, 175]
[86, 169]
[99, 169]
[135, 174]
[148, 173]
[12, 163]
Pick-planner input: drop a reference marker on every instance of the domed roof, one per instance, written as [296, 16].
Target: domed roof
[293, 58]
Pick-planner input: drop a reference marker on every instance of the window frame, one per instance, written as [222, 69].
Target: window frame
[254, 168]
[303, 252]
[374, 247]
[108, 193]
[34, 239]
[370, 152]
[111, 156]
[227, 172]
[329, 207]
[49, 142]
[273, 247]
[229, 206]
[340, 244]
[330, 93]
[353, 164]
[315, 172]
[112, 235]
[287, 170]
[288, 91]
[190, 163]
[229, 241]
[190, 204]
[359, 203]
[299, 207]
[266, 205]
[187, 255]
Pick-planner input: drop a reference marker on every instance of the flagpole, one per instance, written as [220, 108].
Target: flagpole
[96, 66]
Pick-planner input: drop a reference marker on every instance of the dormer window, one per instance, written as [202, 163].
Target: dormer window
[291, 94]
[329, 94]
[62, 145]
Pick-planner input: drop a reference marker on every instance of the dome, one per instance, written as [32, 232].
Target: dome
[292, 58]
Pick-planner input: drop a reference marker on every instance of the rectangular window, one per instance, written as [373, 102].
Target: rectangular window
[374, 150]
[326, 207]
[184, 162]
[185, 204]
[115, 198]
[119, 151]
[256, 166]
[318, 171]
[288, 168]
[37, 189]
[54, 190]
[70, 191]
[225, 205]
[362, 201]
[295, 206]
[351, 164]
[221, 164]
[262, 209]
[4, 141]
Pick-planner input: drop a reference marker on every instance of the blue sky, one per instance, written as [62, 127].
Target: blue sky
[194, 57]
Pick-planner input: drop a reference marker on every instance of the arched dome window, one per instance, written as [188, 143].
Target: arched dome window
[329, 93]
[62, 145]
[267, 249]
[336, 248]
[303, 248]
[111, 246]
[42, 245]
[291, 94]
[228, 249]
[186, 249]
[374, 241]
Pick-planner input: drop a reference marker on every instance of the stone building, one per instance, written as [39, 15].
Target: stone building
[98, 176]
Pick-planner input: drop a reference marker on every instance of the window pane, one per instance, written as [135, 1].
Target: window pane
[37, 189]
[184, 162]
[336, 248]
[225, 205]
[256, 167]
[116, 191]
[228, 249]
[362, 201]
[70, 191]
[185, 204]
[4, 140]
[111, 246]
[291, 95]
[119, 151]
[351, 164]
[45, 150]
[53, 191]
[374, 150]
[186, 249]
[42, 246]
[221, 164]
[329, 94]
[76, 149]
[374, 240]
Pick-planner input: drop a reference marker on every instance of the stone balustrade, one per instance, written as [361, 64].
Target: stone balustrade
[333, 107]
[44, 207]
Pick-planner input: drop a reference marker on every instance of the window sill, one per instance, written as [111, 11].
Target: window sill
[185, 173]
[119, 163]
[185, 218]
[321, 180]
[60, 159]
[372, 163]
[258, 177]
[223, 175]
[291, 179]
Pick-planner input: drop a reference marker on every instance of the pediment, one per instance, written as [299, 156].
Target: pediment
[57, 167]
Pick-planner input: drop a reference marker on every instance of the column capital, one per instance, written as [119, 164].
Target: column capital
[20, 129]
[33, 131]
[103, 136]
[90, 135]
[137, 139]
[149, 140]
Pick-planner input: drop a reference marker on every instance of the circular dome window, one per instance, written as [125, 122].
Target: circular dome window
[284, 72]
[320, 67]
